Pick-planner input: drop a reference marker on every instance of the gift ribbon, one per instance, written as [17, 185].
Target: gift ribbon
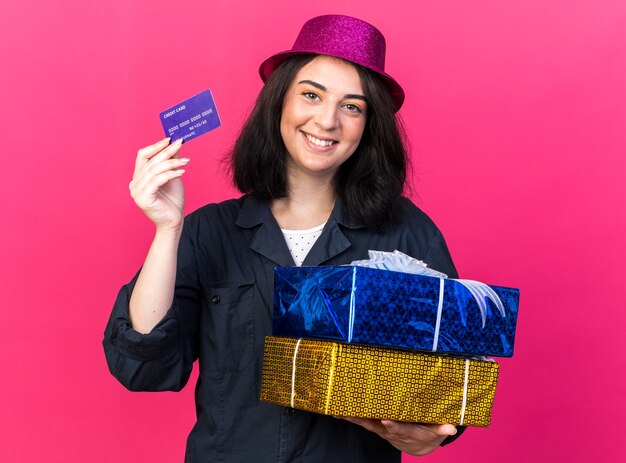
[481, 292]
[352, 305]
[439, 309]
[399, 262]
[467, 364]
[293, 373]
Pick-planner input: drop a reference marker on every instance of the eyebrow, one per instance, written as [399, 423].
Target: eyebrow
[324, 89]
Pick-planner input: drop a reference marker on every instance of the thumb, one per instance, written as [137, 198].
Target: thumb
[445, 430]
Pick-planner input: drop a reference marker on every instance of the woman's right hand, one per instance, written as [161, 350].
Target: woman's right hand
[157, 187]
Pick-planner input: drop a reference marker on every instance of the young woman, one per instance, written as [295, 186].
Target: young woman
[322, 164]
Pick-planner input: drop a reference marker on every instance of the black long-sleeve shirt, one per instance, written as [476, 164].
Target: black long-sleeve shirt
[221, 313]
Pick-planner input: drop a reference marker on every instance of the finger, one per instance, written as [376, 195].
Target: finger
[146, 196]
[393, 427]
[160, 180]
[167, 152]
[147, 152]
[153, 170]
[157, 168]
[154, 164]
[440, 429]
[406, 430]
[446, 430]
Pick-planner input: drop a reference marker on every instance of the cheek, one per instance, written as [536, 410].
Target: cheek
[283, 129]
[286, 126]
[356, 131]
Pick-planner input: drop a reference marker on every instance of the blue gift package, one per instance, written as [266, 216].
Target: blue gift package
[387, 308]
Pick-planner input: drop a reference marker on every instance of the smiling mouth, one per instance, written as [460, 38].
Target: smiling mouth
[319, 141]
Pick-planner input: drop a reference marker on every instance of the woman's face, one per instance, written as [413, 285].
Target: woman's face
[323, 117]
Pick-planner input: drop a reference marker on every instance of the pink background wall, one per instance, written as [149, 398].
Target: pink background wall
[517, 115]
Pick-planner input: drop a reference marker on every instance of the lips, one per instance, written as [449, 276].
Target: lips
[321, 142]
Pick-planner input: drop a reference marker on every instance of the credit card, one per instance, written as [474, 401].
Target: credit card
[191, 118]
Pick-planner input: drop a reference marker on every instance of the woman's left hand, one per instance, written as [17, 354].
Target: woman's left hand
[412, 438]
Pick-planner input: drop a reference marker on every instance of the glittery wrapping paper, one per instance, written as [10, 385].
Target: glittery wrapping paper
[379, 307]
[371, 382]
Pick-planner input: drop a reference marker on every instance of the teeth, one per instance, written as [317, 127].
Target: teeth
[319, 142]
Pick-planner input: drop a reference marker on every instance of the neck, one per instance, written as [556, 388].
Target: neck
[306, 206]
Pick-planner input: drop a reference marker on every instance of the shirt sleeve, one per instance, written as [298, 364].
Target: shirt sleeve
[162, 359]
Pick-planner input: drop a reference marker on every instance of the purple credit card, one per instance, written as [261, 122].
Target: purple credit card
[191, 118]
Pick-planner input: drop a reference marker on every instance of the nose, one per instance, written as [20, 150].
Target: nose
[326, 117]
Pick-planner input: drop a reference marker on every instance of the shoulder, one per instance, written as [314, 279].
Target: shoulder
[416, 220]
[215, 214]
[228, 219]
[423, 235]
[212, 222]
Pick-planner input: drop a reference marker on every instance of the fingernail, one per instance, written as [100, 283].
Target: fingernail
[165, 139]
[179, 141]
[184, 160]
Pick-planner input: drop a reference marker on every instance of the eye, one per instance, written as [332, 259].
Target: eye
[310, 96]
[353, 108]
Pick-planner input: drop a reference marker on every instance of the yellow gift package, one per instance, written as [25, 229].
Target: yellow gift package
[341, 379]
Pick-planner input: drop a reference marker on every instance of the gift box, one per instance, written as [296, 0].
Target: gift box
[386, 308]
[375, 382]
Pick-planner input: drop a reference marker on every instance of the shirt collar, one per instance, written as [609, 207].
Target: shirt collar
[255, 211]
[268, 240]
